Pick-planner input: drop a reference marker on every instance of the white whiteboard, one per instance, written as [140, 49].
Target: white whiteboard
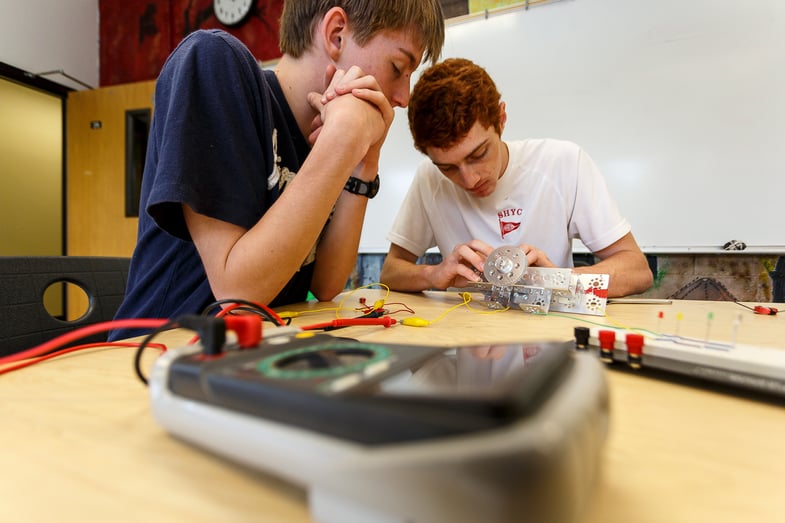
[681, 103]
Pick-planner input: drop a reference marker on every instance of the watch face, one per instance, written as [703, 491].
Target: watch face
[232, 12]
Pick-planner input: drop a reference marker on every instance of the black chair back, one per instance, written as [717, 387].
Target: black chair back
[25, 321]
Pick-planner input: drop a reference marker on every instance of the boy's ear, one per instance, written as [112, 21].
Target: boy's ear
[502, 114]
[335, 32]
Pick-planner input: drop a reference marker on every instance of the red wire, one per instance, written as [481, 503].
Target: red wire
[278, 319]
[405, 308]
[61, 352]
[80, 333]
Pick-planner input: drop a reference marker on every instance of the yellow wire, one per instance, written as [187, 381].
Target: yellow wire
[467, 297]
[294, 314]
[488, 311]
[338, 309]
[340, 305]
[635, 329]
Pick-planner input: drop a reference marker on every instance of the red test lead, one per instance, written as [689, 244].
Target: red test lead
[385, 321]
[760, 309]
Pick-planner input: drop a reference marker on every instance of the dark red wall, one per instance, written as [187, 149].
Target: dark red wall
[136, 36]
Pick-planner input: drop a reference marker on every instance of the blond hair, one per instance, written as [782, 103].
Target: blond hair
[366, 18]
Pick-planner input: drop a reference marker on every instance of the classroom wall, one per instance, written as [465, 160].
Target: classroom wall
[39, 36]
[31, 158]
[46, 35]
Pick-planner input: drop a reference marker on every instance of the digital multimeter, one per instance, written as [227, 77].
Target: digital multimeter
[398, 433]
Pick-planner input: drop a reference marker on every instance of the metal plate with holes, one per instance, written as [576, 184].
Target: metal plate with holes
[505, 266]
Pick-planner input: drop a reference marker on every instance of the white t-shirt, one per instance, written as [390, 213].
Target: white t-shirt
[550, 193]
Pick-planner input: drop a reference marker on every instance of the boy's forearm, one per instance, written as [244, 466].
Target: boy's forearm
[405, 276]
[336, 255]
[629, 273]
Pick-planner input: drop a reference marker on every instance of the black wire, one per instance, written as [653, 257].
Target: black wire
[249, 306]
[745, 306]
[253, 310]
[146, 341]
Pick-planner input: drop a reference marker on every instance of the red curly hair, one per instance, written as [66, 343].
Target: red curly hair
[448, 99]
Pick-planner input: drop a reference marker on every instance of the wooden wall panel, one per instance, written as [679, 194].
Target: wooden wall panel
[95, 183]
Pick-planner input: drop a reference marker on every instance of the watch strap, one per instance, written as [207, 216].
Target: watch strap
[358, 186]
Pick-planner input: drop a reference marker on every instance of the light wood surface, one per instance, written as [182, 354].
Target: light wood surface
[79, 442]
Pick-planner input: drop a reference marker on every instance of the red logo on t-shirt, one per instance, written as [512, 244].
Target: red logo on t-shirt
[506, 226]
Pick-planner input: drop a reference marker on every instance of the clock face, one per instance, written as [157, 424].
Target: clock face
[232, 12]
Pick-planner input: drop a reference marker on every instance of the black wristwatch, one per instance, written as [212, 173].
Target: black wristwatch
[357, 186]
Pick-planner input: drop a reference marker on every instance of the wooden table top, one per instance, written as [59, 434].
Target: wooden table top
[80, 443]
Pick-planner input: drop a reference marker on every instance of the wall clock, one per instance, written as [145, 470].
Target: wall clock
[232, 12]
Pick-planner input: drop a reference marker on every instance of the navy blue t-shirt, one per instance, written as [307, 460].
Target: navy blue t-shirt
[223, 140]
